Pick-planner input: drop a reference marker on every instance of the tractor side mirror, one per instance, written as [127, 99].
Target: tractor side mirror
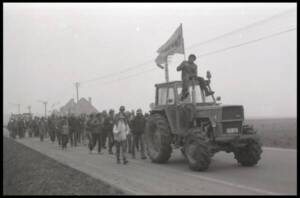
[218, 98]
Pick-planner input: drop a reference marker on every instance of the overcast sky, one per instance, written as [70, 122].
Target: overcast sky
[48, 47]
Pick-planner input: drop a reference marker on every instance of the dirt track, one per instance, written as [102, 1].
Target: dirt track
[275, 173]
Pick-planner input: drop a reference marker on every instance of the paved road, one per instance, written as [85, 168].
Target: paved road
[275, 174]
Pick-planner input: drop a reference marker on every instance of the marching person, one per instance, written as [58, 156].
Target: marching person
[72, 129]
[94, 126]
[85, 134]
[138, 127]
[36, 126]
[30, 127]
[58, 129]
[11, 127]
[65, 133]
[51, 127]
[120, 130]
[129, 137]
[108, 128]
[104, 131]
[89, 129]
[42, 128]
[21, 127]
[189, 72]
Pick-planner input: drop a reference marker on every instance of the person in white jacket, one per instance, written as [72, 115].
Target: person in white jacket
[120, 130]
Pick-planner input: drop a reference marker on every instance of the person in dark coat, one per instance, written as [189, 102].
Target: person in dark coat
[95, 127]
[21, 127]
[108, 128]
[104, 132]
[51, 127]
[11, 126]
[77, 128]
[188, 73]
[138, 128]
[35, 126]
[72, 129]
[65, 132]
[42, 128]
[58, 123]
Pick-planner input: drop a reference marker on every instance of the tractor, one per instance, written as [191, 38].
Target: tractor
[200, 126]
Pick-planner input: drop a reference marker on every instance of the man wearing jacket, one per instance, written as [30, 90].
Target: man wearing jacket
[108, 128]
[95, 126]
[188, 73]
[138, 127]
[121, 129]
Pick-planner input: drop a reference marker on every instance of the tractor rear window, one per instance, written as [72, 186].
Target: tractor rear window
[162, 96]
[171, 96]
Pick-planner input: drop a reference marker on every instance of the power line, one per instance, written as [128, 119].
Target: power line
[223, 49]
[216, 51]
[194, 45]
[120, 72]
[242, 28]
[248, 42]
[129, 76]
[198, 44]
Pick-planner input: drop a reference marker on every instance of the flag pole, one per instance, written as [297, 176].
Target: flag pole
[167, 71]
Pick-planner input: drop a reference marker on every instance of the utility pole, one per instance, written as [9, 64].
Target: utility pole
[45, 103]
[29, 109]
[77, 86]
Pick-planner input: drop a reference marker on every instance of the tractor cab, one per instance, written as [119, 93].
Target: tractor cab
[170, 94]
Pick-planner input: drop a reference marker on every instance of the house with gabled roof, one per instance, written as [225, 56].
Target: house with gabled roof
[83, 106]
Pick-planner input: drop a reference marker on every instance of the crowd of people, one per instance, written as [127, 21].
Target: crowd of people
[123, 131]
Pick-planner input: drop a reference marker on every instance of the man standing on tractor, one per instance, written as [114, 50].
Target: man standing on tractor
[189, 72]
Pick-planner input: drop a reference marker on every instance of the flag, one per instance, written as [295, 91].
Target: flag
[175, 44]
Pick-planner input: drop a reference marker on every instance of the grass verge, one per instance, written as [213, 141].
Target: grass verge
[27, 172]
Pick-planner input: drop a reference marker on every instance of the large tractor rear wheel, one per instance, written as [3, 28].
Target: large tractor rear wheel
[197, 154]
[248, 155]
[158, 139]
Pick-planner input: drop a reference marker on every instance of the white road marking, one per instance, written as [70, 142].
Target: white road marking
[253, 189]
[279, 149]
[261, 191]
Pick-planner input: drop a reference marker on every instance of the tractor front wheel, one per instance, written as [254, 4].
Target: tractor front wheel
[158, 139]
[197, 154]
[248, 155]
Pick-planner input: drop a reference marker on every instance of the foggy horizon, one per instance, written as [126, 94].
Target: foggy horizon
[49, 46]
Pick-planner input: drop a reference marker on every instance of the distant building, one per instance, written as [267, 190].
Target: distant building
[83, 106]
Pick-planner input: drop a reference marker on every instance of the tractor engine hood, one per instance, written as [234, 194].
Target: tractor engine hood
[221, 113]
